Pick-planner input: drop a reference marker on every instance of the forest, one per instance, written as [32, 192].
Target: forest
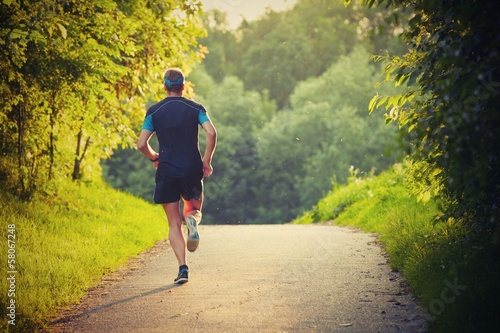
[289, 96]
[301, 98]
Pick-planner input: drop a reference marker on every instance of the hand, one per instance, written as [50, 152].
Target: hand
[155, 160]
[207, 169]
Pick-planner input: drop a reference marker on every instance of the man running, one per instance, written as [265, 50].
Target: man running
[180, 168]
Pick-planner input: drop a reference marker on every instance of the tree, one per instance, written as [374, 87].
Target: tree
[451, 112]
[283, 48]
[278, 62]
[75, 77]
[302, 150]
[452, 119]
[223, 55]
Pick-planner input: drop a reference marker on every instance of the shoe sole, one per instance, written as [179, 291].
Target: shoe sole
[193, 238]
[181, 281]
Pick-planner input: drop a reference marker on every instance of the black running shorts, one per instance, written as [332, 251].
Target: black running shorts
[170, 189]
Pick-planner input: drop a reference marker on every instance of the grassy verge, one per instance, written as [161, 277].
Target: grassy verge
[65, 245]
[452, 270]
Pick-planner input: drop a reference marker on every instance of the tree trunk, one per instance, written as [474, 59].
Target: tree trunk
[78, 159]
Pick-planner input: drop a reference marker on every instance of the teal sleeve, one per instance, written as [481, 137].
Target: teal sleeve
[203, 117]
[148, 124]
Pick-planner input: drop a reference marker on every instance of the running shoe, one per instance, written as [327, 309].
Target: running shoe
[193, 237]
[182, 277]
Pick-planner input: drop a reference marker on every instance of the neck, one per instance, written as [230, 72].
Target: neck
[174, 94]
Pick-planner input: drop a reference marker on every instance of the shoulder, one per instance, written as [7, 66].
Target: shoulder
[155, 107]
[193, 104]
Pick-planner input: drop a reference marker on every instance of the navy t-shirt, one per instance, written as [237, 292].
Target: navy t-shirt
[176, 122]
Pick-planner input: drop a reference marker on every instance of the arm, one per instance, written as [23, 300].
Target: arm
[211, 143]
[144, 146]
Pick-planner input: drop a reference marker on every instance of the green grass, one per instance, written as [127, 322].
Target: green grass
[65, 245]
[452, 270]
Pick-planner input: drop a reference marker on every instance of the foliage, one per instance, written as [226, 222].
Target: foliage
[271, 165]
[65, 245]
[281, 49]
[278, 63]
[451, 113]
[301, 151]
[127, 171]
[366, 200]
[74, 78]
[221, 60]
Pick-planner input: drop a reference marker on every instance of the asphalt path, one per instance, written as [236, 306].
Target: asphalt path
[255, 278]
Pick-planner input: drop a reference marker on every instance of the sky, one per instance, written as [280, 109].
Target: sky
[249, 9]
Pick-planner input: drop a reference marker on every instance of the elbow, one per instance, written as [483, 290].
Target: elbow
[141, 145]
[212, 134]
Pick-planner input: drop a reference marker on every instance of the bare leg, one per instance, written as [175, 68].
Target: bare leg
[192, 216]
[175, 235]
[193, 205]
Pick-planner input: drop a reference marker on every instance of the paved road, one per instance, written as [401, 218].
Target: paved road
[255, 278]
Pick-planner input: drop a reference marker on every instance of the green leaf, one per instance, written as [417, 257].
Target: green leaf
[371, 105]
[17, 33]
[35, 35]
[381, 101]
[426, 196]
[63, 30]
[7, 2]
